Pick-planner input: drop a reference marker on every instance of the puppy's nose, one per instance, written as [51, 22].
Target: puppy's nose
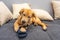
[23, 22]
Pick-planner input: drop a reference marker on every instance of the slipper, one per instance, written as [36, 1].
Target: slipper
[21, 34]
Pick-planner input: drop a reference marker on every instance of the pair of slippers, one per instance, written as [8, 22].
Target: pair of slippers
[21, 34]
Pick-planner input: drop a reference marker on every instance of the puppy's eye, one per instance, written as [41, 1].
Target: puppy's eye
[29, 17]
[24, 14]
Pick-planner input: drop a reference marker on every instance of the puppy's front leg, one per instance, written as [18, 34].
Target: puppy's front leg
[38, 21]
[43, 25]
[16, 26]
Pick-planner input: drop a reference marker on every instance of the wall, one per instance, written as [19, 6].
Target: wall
[40, 4]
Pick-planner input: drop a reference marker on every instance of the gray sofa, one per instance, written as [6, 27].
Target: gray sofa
[34, 33]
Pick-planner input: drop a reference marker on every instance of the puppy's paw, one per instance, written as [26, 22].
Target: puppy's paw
[44, 28]
[22, 29]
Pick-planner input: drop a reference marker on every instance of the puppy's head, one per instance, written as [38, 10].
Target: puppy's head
[26, 15]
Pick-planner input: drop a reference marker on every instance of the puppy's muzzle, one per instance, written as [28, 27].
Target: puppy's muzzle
[23, 22]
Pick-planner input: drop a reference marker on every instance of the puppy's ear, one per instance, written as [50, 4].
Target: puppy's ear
[21, 11]
[33, 15]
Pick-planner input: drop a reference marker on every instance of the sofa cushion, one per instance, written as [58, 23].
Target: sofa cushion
[18, 7]
[54, 31]
[34, 33]
[42, 14]
[56, 8]
[5, 13]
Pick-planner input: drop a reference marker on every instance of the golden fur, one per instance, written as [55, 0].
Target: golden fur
[25, 18]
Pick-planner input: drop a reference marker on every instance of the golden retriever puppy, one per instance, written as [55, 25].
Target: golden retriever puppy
[25, 18]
